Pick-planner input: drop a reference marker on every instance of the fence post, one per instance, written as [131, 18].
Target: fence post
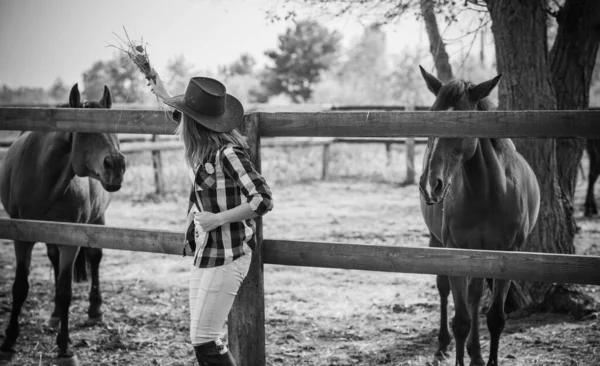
[325, 170]
[410, 161]
[157, 164]
[410, 157]
[246, 324]
[388, 153]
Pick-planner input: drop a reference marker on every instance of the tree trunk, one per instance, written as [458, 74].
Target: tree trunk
[436, 44]
[520, 32]
[572, 61]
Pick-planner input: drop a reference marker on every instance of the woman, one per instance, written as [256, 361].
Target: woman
[227, 193]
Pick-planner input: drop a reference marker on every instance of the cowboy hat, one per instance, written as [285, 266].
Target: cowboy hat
[206, 102]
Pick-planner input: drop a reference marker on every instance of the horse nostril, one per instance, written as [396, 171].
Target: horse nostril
[108, 163]
[439, 186]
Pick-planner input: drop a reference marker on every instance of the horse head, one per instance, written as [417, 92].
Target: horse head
[96, 155]
[444, 156]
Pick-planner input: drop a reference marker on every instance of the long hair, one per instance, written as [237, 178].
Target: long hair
[199, 141]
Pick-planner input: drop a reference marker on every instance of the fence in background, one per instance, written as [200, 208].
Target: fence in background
[247, 319]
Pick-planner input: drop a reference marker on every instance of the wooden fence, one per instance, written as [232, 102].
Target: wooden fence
[247, 319]
[131, 143]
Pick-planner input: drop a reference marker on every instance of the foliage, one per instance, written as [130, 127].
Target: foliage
[23, 95]
[120, 75]
[363, 77]
[179, 72]
[59, 91]
[244, 65]
[303, 53]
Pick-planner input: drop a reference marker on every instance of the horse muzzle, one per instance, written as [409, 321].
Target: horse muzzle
[437, 193]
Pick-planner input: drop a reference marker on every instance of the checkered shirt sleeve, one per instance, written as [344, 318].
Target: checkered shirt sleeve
[238, 166]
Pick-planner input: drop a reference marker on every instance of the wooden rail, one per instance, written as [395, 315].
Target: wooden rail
[540, 124]
[453, 262]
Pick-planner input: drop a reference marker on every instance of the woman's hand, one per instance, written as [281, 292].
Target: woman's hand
[159, 88]
[208, 221]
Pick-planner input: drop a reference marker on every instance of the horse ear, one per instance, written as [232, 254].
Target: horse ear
[433, 84]
[106, 100]
[484, 89]
[74, 97]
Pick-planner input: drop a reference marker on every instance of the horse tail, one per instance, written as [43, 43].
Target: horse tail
[80, 271]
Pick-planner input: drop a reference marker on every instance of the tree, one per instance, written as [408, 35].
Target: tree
[304, 51]
[179, 72]
[244, 65]
[59, 91]
[519, 29]
[572, 61]
[437, 46]
[120, 75]
[23, 95]
[366, 70]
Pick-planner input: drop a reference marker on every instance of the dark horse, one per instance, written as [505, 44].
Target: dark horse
[593, 150]
[66, 177]
[476, 193]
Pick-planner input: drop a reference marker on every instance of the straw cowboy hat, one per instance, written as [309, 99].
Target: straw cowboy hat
[206, 101]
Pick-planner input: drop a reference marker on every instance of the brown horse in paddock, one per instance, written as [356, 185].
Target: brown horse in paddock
[66, 177]
[476, 193]
[593, 150]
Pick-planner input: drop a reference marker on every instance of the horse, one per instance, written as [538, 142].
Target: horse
[64, 177]
[593, 150]
[475, 193]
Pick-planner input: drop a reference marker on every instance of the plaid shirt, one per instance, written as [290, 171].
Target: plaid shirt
[226, 180]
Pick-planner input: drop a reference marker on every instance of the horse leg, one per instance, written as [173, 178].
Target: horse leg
[590, 201]
[461, 322]
[95, 310]
[496, 318]
[20, 290]
[443, 286]
[54, 255]
[94, 256]
[474, 293]
[63, 298]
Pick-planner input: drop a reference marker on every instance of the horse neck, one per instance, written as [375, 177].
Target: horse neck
[484, 173]
[55, 160]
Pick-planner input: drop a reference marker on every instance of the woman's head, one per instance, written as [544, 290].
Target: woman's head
[199, 141]
[209, 117]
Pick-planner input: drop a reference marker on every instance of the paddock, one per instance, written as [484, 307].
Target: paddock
[247, 323]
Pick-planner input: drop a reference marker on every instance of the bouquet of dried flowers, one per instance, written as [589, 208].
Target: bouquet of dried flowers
[137, 52]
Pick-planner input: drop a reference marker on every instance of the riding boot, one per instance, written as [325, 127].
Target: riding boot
[214, 354]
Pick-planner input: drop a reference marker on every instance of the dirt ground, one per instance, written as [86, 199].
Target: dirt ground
[313, 316]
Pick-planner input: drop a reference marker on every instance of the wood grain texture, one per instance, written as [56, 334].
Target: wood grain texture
[493, 264]
[541, 124]
[131, 147]
[87, 120]
[246, 324]
[453, 262]
[93, 236]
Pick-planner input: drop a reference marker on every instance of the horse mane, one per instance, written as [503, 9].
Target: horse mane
[452, 92]
[505, 144]
[485, 104]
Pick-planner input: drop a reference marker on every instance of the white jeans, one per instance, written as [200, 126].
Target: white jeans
[212, 291]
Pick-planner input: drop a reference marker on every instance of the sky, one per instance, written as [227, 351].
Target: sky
[41, 40]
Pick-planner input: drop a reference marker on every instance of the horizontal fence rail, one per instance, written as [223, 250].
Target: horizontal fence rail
[455, 262]
[541, 124]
